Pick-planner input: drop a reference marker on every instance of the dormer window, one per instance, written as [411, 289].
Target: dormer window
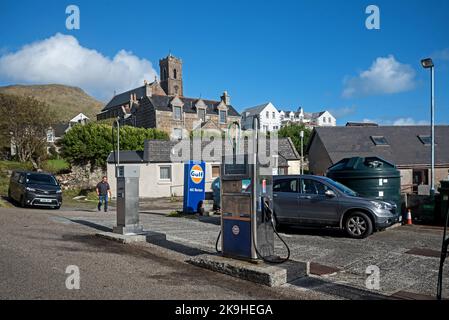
[177, 113]
[202, 114]
[223, 115]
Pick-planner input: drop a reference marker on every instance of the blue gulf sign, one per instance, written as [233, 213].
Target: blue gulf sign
[194, 185]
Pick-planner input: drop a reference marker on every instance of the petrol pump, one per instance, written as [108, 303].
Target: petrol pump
[247, 226]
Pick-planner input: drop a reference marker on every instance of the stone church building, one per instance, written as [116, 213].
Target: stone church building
[162, 105]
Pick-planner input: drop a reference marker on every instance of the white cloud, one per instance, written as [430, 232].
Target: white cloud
[409, 122]
[385, 76]
[405, 121]
[61, 59]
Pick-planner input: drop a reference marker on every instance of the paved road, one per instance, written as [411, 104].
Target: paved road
[37, 245]
[399, 271]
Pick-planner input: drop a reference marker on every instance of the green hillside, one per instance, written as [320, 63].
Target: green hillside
[65, 101]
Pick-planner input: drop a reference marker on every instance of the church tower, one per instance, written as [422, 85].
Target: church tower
[171, 75]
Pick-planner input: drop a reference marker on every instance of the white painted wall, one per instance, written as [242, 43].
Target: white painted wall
[150, 186]
[326, 120]
[271, 123]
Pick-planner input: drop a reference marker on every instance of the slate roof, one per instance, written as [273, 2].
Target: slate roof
[127, 157]
[162, 103]
[405, 148]
[160, 151]
[255, 110]
[123, 98]
[60, 129]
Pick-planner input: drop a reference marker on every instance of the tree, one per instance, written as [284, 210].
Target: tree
[25, 121]
[92, 143]
[292, 131]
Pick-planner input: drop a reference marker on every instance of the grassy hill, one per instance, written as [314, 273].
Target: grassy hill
[65, 101]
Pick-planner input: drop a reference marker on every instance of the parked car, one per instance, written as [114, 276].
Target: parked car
[319, 201]
[35, 189]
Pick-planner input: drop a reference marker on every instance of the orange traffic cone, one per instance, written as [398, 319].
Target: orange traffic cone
[409, 217]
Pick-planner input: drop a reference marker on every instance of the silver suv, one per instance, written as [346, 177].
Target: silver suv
[319, 201]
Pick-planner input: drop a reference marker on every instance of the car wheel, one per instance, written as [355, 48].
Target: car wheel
[22, 202]
[358, 225]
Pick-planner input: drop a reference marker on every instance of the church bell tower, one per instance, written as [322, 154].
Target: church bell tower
[171, 75]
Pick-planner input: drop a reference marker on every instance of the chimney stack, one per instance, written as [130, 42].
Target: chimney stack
[226, 98]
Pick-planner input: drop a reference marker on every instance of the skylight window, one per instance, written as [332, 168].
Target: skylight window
[425, 140]
[380, 141]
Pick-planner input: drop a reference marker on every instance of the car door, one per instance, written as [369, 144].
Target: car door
[316, 206]
[286, 199]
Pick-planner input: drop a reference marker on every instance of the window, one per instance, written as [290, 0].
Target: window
[425, 140]
[175, 74]
[309, 186]
[286, 185]
[274, 115]
[165, 173]
[202, 114]
[177, 133]
[164, 74]
[283, 171]
[329, 120]
[223, 116]
[50, 136]
[268, 114]
[177, 113]
[41, 179]
[379, 140]
[324, 120]
[215, 171]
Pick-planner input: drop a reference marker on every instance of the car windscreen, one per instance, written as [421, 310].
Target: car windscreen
[342, 188]
[42, 179]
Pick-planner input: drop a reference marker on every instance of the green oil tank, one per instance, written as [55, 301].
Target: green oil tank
[371, 177]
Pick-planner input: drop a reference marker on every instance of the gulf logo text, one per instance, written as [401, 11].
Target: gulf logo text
[197, 174]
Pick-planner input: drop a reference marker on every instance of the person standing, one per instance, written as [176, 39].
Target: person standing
[104, 193]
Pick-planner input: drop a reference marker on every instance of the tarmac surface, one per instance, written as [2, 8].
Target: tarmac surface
[37, 246]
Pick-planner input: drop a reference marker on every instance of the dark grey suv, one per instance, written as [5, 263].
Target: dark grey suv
[320, 201]
[35, 189]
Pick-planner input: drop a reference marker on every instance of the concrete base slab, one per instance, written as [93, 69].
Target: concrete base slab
[146, 236]
[266, 274]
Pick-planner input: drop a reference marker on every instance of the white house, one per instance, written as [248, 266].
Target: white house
[311, 120]
[270, 119]
[79, 119]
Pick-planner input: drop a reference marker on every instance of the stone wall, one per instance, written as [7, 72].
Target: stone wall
[166, 122]
[81, 178]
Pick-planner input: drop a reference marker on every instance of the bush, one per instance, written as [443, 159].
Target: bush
[293, 131]
[92, 143]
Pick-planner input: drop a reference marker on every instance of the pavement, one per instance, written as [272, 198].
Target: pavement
[37, 245]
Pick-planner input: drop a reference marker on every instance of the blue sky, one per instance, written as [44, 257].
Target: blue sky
[315, 54]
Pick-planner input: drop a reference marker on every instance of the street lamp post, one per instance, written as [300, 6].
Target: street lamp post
[428, 64]
[301, 134]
